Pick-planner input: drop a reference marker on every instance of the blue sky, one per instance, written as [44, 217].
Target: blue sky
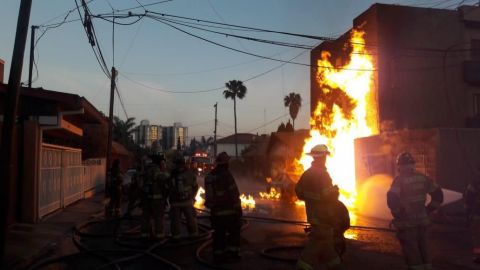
[153, 54]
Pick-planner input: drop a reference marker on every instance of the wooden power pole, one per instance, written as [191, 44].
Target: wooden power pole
[7, 169]
[32, 55]
[110, 125]
[215, 132]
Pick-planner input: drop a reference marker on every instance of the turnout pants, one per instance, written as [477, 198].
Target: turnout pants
[475, 230]
[176, 212]
[153, 217]
[226, 233]
[113, 207]
[320, 248]
[414, 247]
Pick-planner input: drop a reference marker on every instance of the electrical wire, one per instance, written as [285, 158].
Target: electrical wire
[279, 43]
[254, 60]
[207, 90]
[90, 31]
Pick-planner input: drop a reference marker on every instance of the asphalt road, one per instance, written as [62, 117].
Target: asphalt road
[117, 240]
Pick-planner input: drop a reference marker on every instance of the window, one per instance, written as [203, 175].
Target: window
[475, 49]
[476, 103]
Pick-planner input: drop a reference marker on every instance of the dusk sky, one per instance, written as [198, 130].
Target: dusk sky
[155, 55]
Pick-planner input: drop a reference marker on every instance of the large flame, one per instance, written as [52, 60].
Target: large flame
[345, 111]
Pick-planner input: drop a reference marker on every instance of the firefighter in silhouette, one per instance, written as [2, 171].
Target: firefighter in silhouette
[406, 200]
[183, 188]
[284, 184]
[115, 182]
[154, 198]
[135, 188]
[222, 198]
[472, 205]
[321, 204]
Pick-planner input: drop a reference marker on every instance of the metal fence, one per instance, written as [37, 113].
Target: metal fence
[64, 178]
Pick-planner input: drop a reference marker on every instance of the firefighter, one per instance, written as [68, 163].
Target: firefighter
[115, 189]
[154, 199]
[406, 200]
[183, 188]
[285, 185]
[134, 189]
[223, 200]
[472, 205]
[316, 189]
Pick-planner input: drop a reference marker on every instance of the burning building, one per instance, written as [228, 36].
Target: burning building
[402, 79]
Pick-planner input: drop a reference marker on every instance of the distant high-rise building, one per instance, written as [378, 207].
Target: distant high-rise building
[160, 138]
[171, 135]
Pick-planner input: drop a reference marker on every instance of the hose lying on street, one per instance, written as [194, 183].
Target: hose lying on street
[128, 252]
[206, 244]
[132, 249]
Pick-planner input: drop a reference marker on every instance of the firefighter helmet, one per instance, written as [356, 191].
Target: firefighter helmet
[405, 158]
[319, 150]
[222, 158]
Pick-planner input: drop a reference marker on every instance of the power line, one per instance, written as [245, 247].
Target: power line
[273, 120]
[144, 5]
[279, 43]
[253, 54]
[67, 14]
[205, 70]
[208, 90]
[121, 100]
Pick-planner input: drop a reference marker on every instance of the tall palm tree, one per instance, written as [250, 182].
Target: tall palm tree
[235, 89]
[293, 101]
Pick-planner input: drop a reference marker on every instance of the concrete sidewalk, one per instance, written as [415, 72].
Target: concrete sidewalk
[27, 243]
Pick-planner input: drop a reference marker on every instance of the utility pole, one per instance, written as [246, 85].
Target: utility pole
[7, 168]
[110, 124]
[32, 55]
[215, 132]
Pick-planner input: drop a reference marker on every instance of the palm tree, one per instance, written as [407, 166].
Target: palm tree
[122, 130]
[235, 89]
[293, 101]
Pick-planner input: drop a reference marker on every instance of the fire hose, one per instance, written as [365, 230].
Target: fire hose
[129, 253]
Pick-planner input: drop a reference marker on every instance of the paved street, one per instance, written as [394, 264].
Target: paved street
[114, 244]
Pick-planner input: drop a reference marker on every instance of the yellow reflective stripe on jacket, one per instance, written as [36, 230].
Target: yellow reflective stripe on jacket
[303, 265]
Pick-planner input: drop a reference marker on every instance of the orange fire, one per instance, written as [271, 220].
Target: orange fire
[247, 201]
[272, 195]
[345, 111]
